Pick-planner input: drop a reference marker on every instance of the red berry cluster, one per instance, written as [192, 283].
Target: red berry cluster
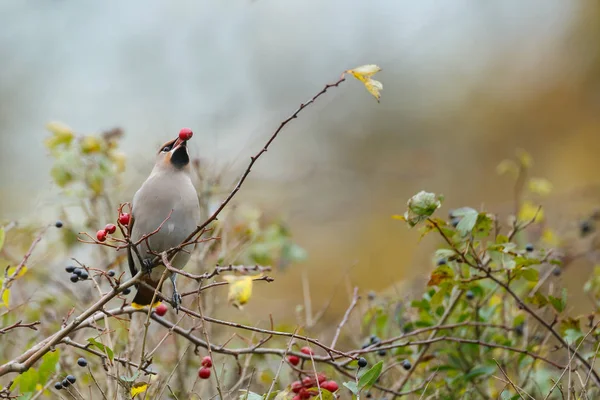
[305, 389]
[204, 372]
[109, 229]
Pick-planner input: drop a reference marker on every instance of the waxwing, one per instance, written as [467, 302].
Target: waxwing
[168, 189]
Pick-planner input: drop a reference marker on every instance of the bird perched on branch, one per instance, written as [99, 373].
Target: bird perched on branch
[166, 209]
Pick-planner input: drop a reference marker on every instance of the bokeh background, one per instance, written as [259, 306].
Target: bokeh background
[465, 84]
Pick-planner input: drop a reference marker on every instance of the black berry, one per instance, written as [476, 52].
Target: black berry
[520, 329]
[58, 386]
[65, 383]
[371, 296]
[529, 247]
[58, 224]
[111, 272]
[70, 268]
[362, 362]
[126, 291]
[585, 228]
[71, 378]
[470, 295]
[557, 271]
[82, 362]
[382, 353]
[406, 365]
[368, 395]
[83, 275]
[374, 339]
[77, 271]
[441, 261]
[454, 221]
[74, 278]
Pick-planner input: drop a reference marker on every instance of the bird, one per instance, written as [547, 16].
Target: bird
[167, 197]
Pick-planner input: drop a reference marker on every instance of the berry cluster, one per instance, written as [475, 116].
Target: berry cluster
[77, 274]
[204, 372]
[109, 229]
[305, 389]
[70, 379]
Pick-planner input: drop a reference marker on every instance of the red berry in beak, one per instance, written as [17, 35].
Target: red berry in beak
[110, 228]
[161, 309]
[124, 219]
[185, 134]
[101, 235]
[204, 373]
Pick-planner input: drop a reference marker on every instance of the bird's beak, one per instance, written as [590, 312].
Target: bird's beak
[179, 153]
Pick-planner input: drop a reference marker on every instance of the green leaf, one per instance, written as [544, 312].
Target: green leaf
[480, 371]
[556, 303]
[370, 377]
[2, 237]
[531, 274]
[105, 349]
[467, 221]
[352, 386]
[247, 395]
[49, 365]
[132, 379]
[573, 335]
[421, 206]
[538, 299]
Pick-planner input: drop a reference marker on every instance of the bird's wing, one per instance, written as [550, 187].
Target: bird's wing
[130, 254]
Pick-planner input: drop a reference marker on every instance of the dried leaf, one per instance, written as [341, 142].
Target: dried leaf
[138, 388]
[6, 298]
[240, 289]
[364, 74]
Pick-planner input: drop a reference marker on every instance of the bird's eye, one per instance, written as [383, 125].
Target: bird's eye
[166, 149]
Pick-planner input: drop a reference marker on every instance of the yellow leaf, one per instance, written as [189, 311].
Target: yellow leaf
[138, 388]
[6, 298]
[240, 289]
[495, 300]
[364, 74]
[550, 238]
[61, 134]
[90, 144]
[12, 270]
[119, 159]
[507, 166]
[525, 158]
[528, 212]
[399, 217]
[540, 186]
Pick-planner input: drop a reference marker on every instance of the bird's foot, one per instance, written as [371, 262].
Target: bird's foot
[176, 301]
[147, 265]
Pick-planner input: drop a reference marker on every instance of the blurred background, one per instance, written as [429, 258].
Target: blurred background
[465, 84]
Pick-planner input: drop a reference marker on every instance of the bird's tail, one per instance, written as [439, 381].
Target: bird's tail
[144, 294]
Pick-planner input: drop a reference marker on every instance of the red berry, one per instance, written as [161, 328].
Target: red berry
[204, 373]
[296, 397]
[294, 360]
[185, 134]
[330, 385]
[161, 310]
[207, 362]
[296, 386]
[321, 377]
[306, 350]
[110, 228]
[101, 235]
[308, 381]
[124, 219]
[304, 394]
